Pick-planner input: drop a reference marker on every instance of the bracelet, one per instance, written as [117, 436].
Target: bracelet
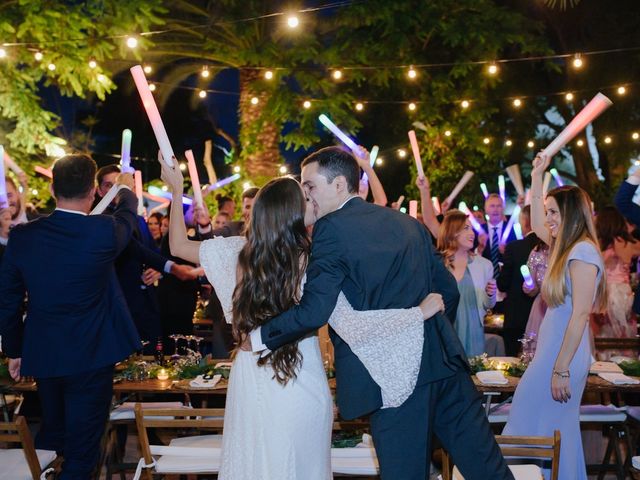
[562, 374]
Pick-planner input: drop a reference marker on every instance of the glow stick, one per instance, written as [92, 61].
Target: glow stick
[222, 183]
[338, 133]
[154, 115]
[517, 228]
[161, 200]
[399, 202]
[158, 192]
[3, 183]
[436, 205]
[459, 186]
[588, 114]
[137, 178]
[545, 183]
[526, 274]
[516, 178]
[416, 153]
[106, 200]
[195, 180]
[11, 164]
[556, 177]
[509, 227]
[413, 208]
[44, 171]
[501, 187]
[125, 151]
[485, 192]
[372, 160]
[474, 222]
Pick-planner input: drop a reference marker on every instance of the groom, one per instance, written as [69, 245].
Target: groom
[382, 259]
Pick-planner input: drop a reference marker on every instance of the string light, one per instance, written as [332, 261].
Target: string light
[577, 61]
[283, 169]
[205, 72]
[337, 74]
[183, 166]
[580, 143]
[164, 188]
[132, 42]
[402, 153]
[412, 106]
[254, 100]
[147, 69]
[492, 69]
[236, 169]
[635, 135]
[621, 90]
[447, 133]
[508, 143]
[202, 94]
[152, 87]
[93, 64]
[293, 21]
[306, 104]
[465, 104]
[530, 144]
[51, 66]
[38, 56]
[246, 185]
[412, 74]
[517, 103]
[568, 97]
[101, 78]
[268, 75]
[379, 161]
[34, 192]
[486, 140]
[359, 106]
[607, 140]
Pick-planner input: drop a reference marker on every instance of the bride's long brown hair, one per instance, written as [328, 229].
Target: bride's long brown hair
[271, 266]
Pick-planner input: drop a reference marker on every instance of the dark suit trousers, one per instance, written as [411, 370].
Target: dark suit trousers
[75, 409]
[452, 409]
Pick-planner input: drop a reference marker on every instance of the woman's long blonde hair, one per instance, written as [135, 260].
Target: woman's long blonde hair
[454, 221]
[574, 206]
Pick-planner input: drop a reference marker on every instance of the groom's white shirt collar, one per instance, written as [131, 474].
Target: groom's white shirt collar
[345, 202]
[77, 212]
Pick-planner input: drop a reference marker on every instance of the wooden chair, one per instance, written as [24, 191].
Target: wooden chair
[539, 448]
[198, 454]
[21, 463]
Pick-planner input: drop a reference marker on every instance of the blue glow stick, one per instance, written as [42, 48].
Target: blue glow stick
[222, 183]
[556, 177]
[158, 192]
[338, 133]
[526, 274]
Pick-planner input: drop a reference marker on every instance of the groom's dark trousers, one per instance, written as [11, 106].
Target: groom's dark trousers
[383, 259]
[77, 324]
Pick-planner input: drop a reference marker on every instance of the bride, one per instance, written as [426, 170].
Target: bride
[278, 414]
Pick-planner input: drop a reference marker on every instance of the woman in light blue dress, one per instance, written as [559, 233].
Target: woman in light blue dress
[549, 393]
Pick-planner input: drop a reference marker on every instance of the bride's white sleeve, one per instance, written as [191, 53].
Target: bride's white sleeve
[388, 343]
[219, 258]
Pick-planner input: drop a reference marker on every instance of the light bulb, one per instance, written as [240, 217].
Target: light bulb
[93, 64]
[508, 143]
[517, 103]
[411, 73]
[148, 69]
[34, 192]
[577, 62]
[447, 133]
[236, 169]
[51, 66]
[580, 142]
[246, 185]
[607, 140]
[164, 188]
[254, 100]
[152, 87]
[621, 90]
[412, 106]
[530, 144]
[306, 104]
[379, 161]
[465, 104]
[283, 169]
[492, 69]
[38, 56]
[635, 135]
[268, 75]
[205, 72]
[202, 94]
[569, 96]
[402, 153]
[359, 106]
[132, 42]
[101, 78]
[293, 21]
[337, 74]
[486, 140]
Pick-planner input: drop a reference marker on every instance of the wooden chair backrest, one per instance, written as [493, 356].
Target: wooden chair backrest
[18, 432]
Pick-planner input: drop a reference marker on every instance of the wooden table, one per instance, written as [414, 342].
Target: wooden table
[595, 384]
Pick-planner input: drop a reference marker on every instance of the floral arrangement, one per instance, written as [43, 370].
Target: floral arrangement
[185, 367]
[480, 363]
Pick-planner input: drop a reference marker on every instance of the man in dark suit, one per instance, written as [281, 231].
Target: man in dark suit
[383, 259]
[77, 324]
[494, 248]
[517, 305]
[631, 211]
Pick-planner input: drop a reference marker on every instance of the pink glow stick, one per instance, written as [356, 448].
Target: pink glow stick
[416, 152]
[154, 115]
[46, 172]
[526, 274]
[436, 205]
[588, 114]
[399, 202]
[195, 180]
[413, 208]
[459, 186]
[11, 164]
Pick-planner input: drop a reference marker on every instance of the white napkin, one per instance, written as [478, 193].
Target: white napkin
[223, 365]
[492, 377]
[200, 382]
[604, 367]
[619, 379]
[635, 461]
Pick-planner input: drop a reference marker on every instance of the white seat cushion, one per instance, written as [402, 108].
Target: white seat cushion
[520, 472]
[354, 461]
[206, 456]
[500, 414]
[126, 412]
[602, 414]
[14, 464]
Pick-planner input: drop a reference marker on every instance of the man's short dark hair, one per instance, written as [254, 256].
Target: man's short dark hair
[73, 176]
[250, 192]
[106, 170]
[333, 162]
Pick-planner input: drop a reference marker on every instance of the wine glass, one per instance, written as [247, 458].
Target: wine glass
[198, 340]
[175, 337]
[189, 339]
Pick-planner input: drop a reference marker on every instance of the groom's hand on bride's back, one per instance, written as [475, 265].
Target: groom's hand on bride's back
[432, 304]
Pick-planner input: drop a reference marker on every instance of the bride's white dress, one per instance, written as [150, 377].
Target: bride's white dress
[275, 432]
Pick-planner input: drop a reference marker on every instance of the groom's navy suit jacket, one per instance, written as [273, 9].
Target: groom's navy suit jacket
[77, 318]
[380, 259]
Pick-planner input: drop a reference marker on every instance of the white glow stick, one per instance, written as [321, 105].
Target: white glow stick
[372, 160]
[474, 223]
[556, 177]
[485, 192]
[125, 151]
[195, 180]
[12, 165]
[517, 228]
[158, 192]
[106, 200]
[399, 202]
[154, 115]
[459, 186]
[137, 178]
[545, 183]
[516, 178]
[222, 183]
[44, 171]
[155, 198]
[526, 274]
[413, 208]
[436, 205]
[3, 183]
[503, 195]
[588, 114]
[416, 152]
[513, 219]
[338, 133]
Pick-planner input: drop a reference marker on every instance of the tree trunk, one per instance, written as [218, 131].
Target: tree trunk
[259, 139]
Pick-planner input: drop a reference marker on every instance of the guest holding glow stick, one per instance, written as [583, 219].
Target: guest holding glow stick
[372, 181]
[494, 248]
[553, 384]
